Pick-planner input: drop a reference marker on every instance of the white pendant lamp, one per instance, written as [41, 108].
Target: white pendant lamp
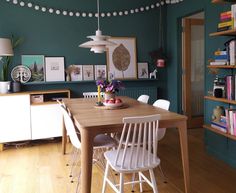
[99, 42]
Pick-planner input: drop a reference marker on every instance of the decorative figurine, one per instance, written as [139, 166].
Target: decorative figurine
[153, 74]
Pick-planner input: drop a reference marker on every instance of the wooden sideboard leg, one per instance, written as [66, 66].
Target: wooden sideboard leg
[1, 147]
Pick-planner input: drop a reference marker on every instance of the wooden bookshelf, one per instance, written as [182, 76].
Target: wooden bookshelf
[231, 32]
[222, 66]
[223, 100]
[219, 132]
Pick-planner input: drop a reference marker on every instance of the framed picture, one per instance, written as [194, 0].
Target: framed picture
[142, 70]
[75, 72]
[121, 58]
[88, 73]
[100, 72]
[55, 69]
[36, 65]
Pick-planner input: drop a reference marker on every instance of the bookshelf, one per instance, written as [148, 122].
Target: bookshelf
[222, 66]
[231, 32]
[219, 132]
[220, 100]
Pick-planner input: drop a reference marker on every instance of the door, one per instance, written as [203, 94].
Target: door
[193, 71]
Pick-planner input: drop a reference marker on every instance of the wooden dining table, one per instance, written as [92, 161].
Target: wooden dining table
[92, 120]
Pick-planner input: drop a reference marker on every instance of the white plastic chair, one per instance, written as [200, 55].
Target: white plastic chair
[100, 141]
[136, 157]
[163, 104]
[143, 98]
[92, 94]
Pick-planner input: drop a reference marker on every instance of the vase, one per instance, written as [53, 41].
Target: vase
[109, 95]
[5, 87]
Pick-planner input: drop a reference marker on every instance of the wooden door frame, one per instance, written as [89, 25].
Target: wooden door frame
[186, 70]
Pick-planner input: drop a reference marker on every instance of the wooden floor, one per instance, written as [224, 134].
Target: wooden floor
[41, 168]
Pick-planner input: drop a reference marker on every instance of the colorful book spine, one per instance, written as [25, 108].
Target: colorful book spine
[225, 24]
[233, 13]
[227, 119]
[234, 128]
[226, 13]
[232, 52]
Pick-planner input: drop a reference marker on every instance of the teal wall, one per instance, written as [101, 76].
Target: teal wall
[216, 145]
[52, 35]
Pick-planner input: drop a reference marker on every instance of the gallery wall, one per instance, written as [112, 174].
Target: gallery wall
[58, 35]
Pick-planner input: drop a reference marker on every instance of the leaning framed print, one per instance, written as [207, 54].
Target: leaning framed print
[121, 58]
[36, 65]
[142, 70]
[55, 69]
[100, 72]
[88, 73]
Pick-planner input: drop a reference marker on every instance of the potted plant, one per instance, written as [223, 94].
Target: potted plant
[6, 61]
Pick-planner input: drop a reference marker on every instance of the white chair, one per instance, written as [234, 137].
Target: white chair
[92, 94]
[163, 104]
[143, 98]
[136, 157]
[101, 141]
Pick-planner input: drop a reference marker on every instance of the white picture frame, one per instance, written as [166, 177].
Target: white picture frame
[88, 72]
[143, 70]
[55, 69]
[100, 72]
[122, 59]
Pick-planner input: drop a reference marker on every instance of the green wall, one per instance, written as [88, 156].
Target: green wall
[52, 35]
[216, 145]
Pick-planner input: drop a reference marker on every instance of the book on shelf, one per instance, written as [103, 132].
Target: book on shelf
[226, 13]
[217, 63]
[230, 115]
[219, 125]
[233, 13]
[226, 24]
[232, 52]
[230, 87]
[220, 52]
[219, 29]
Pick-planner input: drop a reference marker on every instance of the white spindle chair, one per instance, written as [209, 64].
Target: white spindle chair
[163, 104]
[92, 94]
[135, 157]
[143, 98]
[101, 141]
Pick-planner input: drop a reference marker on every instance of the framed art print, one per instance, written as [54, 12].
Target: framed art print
[142, 70]
[36, 65]
[121, 58]
[100, 72]
[76, 73]
[88, 73]
[55, 68]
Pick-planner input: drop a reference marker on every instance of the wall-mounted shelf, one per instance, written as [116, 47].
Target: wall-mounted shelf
[231, 32]
[222, 66]
[220, 99]
[84, 82]
[219, 132]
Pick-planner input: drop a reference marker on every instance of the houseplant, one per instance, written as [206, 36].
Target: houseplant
[7, 60]
[110, 87]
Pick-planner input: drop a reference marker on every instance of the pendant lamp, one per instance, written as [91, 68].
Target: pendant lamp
[99, 42]
[223, 1]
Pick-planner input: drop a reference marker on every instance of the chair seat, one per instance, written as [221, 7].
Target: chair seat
[103, 140]
[111, 156]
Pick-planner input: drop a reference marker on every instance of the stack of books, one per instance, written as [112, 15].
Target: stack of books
[220, 125]
[230, 117]
[220, 58]
[226, 21]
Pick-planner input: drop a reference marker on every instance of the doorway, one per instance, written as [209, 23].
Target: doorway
[193, 69]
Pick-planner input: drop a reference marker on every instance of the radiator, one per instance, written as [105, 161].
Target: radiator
[135, 92]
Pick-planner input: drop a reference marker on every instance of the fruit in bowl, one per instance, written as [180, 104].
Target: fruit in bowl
[113, 102]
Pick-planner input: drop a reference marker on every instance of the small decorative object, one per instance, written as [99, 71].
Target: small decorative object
[100, 72]
[88, 73]
[36, 64]
[121, 58]
[153, 75]
[143, 70]
[217, 112]
[21, 74]
[110, 88]
[55, 69]
[99, 103]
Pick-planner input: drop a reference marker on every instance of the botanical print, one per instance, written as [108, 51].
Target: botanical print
[36, 64]
[55, 68]
[143, 70]
[100, 72]
[88, 73]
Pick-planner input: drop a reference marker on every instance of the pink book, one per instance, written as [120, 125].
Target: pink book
[234, 125]
[227, 119]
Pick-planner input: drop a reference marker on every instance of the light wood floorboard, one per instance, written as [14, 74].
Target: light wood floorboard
[41, 168]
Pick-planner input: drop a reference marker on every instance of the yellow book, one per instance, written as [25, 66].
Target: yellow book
[224, 24]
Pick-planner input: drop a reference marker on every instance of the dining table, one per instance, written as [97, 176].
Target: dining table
[92, 120]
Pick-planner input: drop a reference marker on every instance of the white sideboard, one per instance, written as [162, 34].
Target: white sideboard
[23, 119]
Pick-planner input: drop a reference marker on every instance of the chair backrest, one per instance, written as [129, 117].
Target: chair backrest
[143, 98]
[70, 128]
[92, 94]
[139, 153]
[163, 104]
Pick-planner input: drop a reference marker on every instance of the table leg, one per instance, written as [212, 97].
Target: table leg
[182, 127]
[86, 160]
[64, 138]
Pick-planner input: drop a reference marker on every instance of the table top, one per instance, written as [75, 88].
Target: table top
[87, 116]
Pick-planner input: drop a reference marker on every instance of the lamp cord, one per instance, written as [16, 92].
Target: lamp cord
[98, 12]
